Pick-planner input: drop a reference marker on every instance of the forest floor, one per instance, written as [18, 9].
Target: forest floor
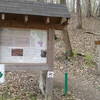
[84, 81]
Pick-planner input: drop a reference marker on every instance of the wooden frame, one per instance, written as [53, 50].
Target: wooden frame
[32, 66]
[33, 22]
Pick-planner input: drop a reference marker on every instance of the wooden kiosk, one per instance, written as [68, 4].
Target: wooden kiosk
[27, 33]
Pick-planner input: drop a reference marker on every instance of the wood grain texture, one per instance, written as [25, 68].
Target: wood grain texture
[42, 26]
[51, 33]
[49, 81]
[26, 67]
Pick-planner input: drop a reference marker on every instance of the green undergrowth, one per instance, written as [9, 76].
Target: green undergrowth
[88, 58]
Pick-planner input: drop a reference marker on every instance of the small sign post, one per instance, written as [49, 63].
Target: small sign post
[2, 73]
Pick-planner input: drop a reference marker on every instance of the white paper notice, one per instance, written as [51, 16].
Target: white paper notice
[50, 74]
[2, 73]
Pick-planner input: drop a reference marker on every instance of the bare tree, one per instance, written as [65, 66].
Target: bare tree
[88, 6]
[73, 10]
[79, 15]
[98, 10]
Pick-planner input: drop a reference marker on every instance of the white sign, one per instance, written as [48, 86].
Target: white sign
[50, 74]
[2, 73]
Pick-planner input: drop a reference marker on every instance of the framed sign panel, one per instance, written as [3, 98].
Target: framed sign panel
[23, 46]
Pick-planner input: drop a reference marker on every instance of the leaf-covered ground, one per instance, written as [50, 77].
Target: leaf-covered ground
[83, 79]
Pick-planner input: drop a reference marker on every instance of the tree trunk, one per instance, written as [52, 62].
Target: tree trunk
[73, 10]
[98, 10]
[79, 15]
[67, 42]
[46, 86]
[88, 6]
[42, 82]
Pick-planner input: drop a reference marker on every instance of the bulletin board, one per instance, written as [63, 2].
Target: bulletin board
[23, 46]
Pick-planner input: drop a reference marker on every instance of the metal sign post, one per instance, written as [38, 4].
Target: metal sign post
[66, 84]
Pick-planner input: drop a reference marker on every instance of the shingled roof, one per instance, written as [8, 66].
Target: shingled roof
[33, 8]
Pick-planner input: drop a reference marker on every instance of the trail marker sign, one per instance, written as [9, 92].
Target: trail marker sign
[50, 74]
[2, 73]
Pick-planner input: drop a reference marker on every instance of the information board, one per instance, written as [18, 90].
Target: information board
[23, 46]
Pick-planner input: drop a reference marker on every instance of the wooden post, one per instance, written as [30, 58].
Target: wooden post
[46, 83]
[50, 49]
[3, 16]
[67, 42]
[49, 80]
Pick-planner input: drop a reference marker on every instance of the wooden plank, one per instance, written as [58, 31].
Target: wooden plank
[47, 20]
[42, 26]
[51, 47]
[49, 81]
[11, 67]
